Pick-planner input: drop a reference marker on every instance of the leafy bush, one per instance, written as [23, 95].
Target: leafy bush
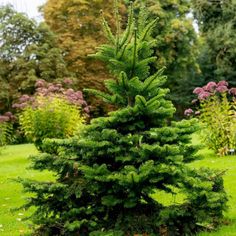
[6, 128]
[49, 117]
[63, 91]
[217, 114]
[107, 175]
[54, 111]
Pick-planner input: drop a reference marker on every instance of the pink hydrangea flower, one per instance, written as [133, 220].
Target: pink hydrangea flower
[211, 86]
[86, 109]
[24, 98]
[68, 81]
[222, 89]
[4, 118]
[232, 91]
[198, 90]
[79, 95]
[188, 112]
[222, 83]
[203, 95]
[40, 83]
[69, 91]
[8, 113]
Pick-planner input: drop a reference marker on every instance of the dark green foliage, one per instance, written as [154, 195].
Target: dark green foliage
[106, 176]
[28, 52]
[16, 33]
[216, 21]
[6, 128]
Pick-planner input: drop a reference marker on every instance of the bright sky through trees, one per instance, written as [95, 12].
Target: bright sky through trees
[30, 7]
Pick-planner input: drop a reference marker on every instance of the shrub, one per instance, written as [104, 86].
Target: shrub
[63, 91]
[54, 111]
[217, 115]
[106, 176]
[6, 128]
[49, 117]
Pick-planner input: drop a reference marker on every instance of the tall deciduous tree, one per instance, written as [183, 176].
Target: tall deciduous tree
[217, 27]
[27, 52]
[77, 24]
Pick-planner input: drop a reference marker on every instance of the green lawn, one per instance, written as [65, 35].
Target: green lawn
[13, 163]
[228, 163]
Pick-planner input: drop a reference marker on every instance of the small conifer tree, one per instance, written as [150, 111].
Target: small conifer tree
[108, 180]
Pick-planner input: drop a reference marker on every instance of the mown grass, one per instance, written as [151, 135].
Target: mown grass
[228, 163]
[14, 162]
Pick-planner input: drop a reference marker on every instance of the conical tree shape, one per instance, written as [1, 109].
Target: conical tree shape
[108, 180]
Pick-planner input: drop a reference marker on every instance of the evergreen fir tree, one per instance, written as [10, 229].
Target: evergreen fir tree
[108, 180]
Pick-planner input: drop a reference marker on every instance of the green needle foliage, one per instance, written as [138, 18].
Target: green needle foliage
[108, 178]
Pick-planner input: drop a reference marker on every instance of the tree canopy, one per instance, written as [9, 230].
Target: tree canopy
[28, 52]
[77, 24]
[216, 21]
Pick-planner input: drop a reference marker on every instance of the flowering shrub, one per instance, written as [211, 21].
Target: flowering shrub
[46, 89]
[53, 112]
[6, 128]
[49, 117]
[217, 113]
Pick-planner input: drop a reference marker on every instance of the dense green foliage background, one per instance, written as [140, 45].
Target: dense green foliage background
[32, 51]
[216, 21]
[28, 52]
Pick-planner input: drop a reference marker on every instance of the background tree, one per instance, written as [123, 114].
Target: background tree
[216, 20]
[105, 178]
[77, 24]
[28, 52]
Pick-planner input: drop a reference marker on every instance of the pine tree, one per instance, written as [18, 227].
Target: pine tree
[109, 178]
[177, 47]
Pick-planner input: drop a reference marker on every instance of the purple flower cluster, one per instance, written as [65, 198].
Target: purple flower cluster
[46, 89]
[23, 101]
[7, 116]
[212, 88]
[188, 112]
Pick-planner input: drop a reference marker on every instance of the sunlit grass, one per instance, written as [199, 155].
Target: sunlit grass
[14, 162]
[228, 163]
